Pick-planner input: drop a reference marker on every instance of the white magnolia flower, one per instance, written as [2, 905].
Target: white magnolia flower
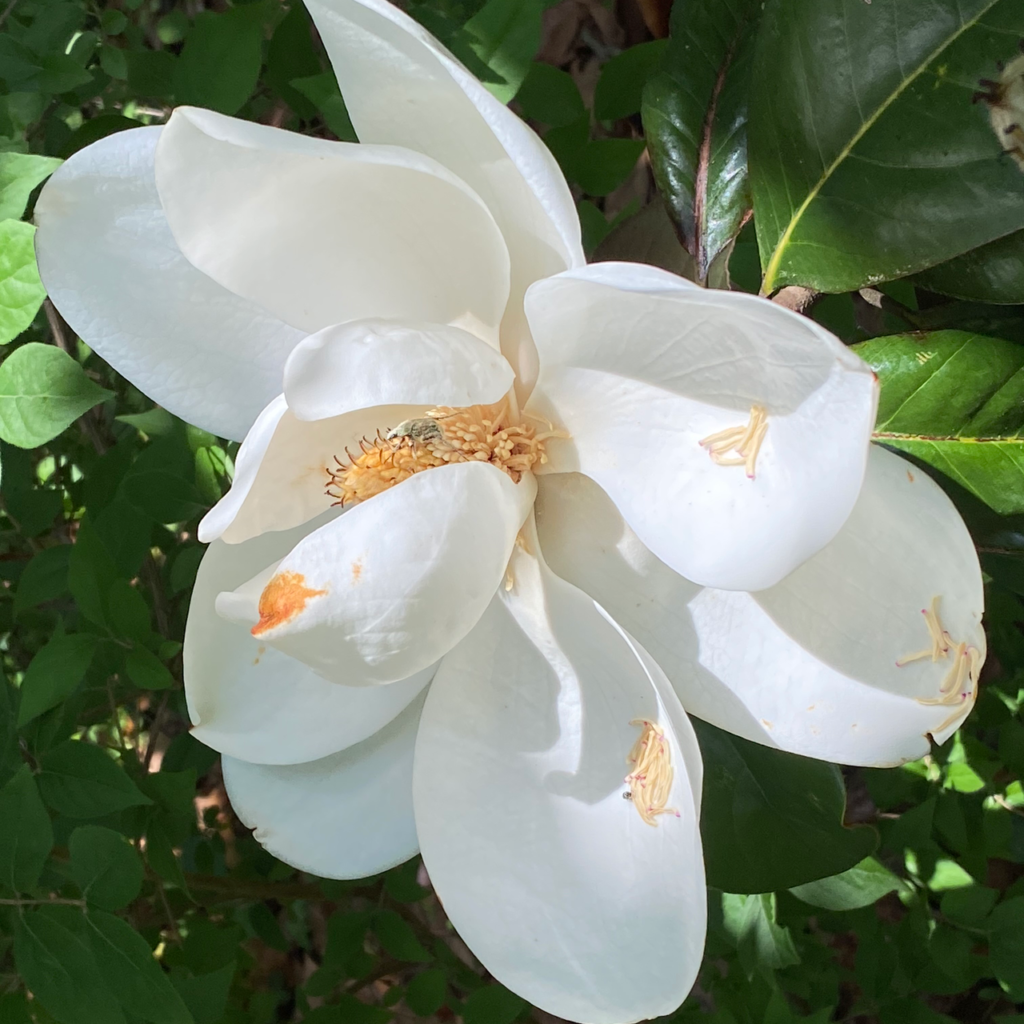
[499, 517]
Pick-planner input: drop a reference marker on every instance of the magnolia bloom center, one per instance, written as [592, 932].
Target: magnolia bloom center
[650, 781]
[495, 434]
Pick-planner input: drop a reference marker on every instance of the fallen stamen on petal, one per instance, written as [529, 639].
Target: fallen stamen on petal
[650, 781]
[966, 667]
[479, 433]
[284, 597]
[745, 442]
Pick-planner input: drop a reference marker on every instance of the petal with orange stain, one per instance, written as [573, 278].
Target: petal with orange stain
[284, 597]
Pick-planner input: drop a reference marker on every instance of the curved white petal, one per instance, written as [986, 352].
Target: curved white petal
[810, 664]
[252, 702]
[281, 470]
[554, 881]
[322, 232]
[391, 586]
[403, 88]
[112, 268]
[639, 373]
[346, 816]
[386, 362]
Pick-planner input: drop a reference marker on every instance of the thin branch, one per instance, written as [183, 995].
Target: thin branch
[43, 903]
[7, 10]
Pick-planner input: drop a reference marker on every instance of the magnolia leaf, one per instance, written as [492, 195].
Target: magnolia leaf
[20, 173]
[695, 118]
[749, 921]
[859, 886]
[42, 391]
[868, 159]
[772, 820]
[956, 401]
[990, 273]
[21, 291]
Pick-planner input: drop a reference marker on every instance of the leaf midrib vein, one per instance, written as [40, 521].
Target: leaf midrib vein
[771, 272]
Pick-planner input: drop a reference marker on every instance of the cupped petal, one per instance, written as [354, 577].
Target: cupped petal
[321, 232]
[252, 702]
[817, 664]
[345, 816]
[402, 87]
[281, 469]
[385, 362]
[644, 372]
[113, 269]
[393, 584]
[556, 883]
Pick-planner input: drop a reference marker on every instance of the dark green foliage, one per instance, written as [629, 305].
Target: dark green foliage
[130, 892]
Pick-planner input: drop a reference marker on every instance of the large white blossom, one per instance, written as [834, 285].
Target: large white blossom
[499, 517]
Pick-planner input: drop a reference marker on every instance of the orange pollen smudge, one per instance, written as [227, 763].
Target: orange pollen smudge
[480, 433]
[283, 598]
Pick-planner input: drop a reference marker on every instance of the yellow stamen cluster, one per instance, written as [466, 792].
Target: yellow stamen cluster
[650, 781]
[966, 666]
[745, 442]
[479, 433]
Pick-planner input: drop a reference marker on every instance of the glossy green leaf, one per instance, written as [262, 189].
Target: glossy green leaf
[26, 835]
[42, 391]
[620, 88]
[398, 938]
[695, 118]
[20, 173]
[859, 886]
[323, 92]
[54, 956]
[54, 673]
[220, 62]
[956, 401]
[506, 36]
[426, 993]
[21, 291]
[106, 867]
[126, 964]
[146, 670]
[868, 159]
[79, 780]
[1006, 946]
[45, 577]
[990, 273]
[772, 820]
[550, 95]
[749, 920]
[493, 1004]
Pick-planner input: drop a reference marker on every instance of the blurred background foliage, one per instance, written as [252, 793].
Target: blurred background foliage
[714, 138]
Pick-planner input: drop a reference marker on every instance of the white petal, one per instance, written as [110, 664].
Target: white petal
[640, 374]
[379, 362]
[402, 87]
[322, 232]
[810, 664]
[254, 702]
[281, 470]
[112, 268]
[346, 816]
[391, 586]
[554, 881]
